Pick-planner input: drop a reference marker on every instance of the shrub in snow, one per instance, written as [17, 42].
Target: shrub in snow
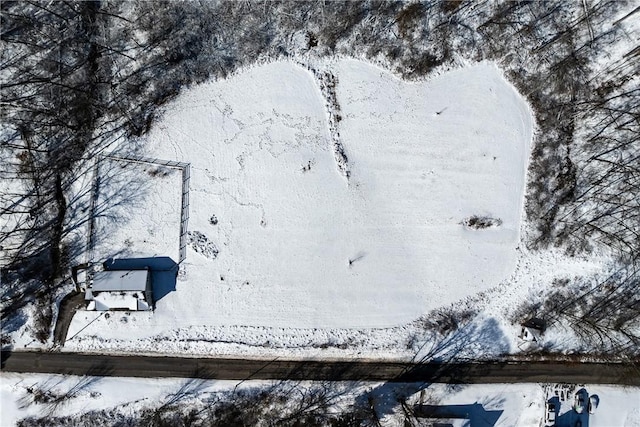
[201, 244]
[481, 222]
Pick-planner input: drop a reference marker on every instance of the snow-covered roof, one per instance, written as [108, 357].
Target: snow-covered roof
[115, 300]
[120, 280]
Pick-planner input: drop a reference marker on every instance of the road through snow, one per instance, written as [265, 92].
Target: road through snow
[334, 370]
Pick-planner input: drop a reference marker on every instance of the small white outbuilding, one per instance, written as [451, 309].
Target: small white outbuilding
[120, 290]
[532, 330]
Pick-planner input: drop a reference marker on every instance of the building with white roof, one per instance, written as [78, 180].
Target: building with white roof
[120, 290]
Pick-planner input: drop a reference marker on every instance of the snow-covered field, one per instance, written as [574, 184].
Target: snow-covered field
[286, 232]
[484, 405]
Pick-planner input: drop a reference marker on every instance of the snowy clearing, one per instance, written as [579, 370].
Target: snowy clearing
[280, 237]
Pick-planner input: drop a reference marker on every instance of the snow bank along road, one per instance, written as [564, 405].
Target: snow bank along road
[347, 370]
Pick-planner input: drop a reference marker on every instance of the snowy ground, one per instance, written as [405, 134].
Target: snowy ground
[486, 405]
[137, 210]
[85, 394]
[285, 236]
[524, 405]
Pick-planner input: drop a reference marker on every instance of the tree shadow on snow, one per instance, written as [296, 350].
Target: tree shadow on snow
[441, 359]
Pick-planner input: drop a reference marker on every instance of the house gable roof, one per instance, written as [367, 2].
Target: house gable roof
[120, 280]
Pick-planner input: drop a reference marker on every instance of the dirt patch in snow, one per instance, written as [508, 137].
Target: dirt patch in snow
[202, 245]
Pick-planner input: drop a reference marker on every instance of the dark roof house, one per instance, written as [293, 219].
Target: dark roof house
[532, 329]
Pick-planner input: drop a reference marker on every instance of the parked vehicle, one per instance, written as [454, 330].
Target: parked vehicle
[550, 415]
[593, 404]
[579, 402]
